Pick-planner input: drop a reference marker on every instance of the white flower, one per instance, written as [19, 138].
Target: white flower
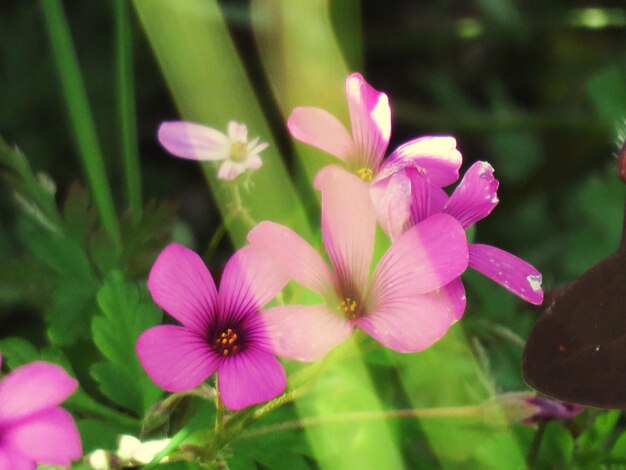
[132, 450]
[196, 142]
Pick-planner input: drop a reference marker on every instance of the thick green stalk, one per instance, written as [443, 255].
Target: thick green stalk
[79, 113]
[126, 108]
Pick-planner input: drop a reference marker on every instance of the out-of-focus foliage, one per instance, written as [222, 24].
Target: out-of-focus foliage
[536, 88]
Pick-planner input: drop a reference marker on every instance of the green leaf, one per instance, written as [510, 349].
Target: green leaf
[71, 309]
[128, 311]
[17, 351]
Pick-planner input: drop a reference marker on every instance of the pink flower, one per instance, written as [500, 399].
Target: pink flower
[364, 150]
[472, 200]
[409, 302]
[196, 142]
[33, 427]
[220, 330]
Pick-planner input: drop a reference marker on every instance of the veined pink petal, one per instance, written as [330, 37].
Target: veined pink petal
[181, 285]
[348, 224]
[426, 257]
[176, 358]
[410, 324]
[193, 141]
[392, 199]
[32, 388]
[455, 293]
[49, 437]
[250, 377]
[293, 254]
[319, 128]
[475, 196]
[305, 332]
[229, 170]
[370, 117]
[511, 272]
[250, 280]
[437, 155]
[426, 197]
[10, 460]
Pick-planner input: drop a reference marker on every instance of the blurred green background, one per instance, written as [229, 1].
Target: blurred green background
[536, 88]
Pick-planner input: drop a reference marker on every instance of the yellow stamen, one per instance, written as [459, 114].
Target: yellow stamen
[366, 174]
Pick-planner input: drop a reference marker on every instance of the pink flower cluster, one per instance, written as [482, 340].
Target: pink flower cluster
[407, 302]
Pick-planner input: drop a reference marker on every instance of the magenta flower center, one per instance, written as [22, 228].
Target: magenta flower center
[227, 343]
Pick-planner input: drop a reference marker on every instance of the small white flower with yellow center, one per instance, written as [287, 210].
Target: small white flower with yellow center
[196, 142]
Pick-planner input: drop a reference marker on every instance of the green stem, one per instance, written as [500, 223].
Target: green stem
[126, 108]
[447, 412]
[531, 459]
[217, 237]
[79, 113]
[238, 208]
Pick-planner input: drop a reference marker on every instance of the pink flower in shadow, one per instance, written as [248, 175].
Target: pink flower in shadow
[34, 429]
[472, 200]
[408, 304]
[220, 330]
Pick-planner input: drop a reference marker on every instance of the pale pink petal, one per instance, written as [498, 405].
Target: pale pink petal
[411, 324]
[370, 117]
[319, 128]
[426, 257]
[293, 255]
[253, 162]
[176, 358]
[33, 387]
[455, 292]
[11, 460]
[392, 199]
[229, 170]
[250, 377]
[511, 272]
[237, 132]
[256, 149]
[348, 225]
[181, 285]
[438, 156]
[50, 437]
[250, 280]
[305, 332]
[475, 196]
[193, 141]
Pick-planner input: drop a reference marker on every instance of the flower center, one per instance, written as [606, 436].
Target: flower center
[366, 174]
[349, 307]
[238, 151]
[227, 342]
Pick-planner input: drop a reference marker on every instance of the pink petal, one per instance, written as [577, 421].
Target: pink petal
[319, 128]
[348, 225]
[437, 155]
[426, 257]
[193, 141]
[250, 280]
[370, 117]
[305, 332]
[411, 324]
[511, 272]
[181, 285]
[250, 377]
[230, 170]
[176, 358]
[50, 437]
[455, 292]
[426, 197]
[237, 132]
[253, 162]
[32, 388]
[475, 196]
[293, 254]
[392, 199]
[10, 460]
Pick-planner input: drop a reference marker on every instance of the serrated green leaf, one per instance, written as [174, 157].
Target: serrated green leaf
[17, 351]
[127, 312]
[71, 310]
